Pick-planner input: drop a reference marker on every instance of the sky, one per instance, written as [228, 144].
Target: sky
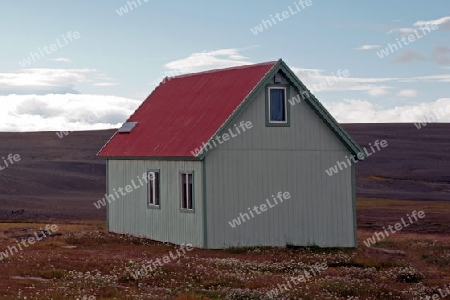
[85, 65]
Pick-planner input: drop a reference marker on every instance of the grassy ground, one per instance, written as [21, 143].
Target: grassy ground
[102, 263]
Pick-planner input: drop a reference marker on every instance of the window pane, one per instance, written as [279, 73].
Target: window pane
[153, 188]
[150, 188]
[183, 191]
[156, 187]
[277, 105]
[190, 186]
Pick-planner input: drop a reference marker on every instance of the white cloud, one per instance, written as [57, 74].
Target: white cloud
[106, 84]
[303, 72]
[443, 23]
[336, 81]
[43, 77]
[61, 59]
[55, 112]
[33, 112]
[430, 78]
[312, 78]
[197, 62]
[362, 111]
[408, 94]
[104, 80]
[368, 47]
[44, 81]
[204, 61]
[401, 31]
[377, 91]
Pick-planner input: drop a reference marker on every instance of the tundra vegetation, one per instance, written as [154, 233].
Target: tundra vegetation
[83, 260]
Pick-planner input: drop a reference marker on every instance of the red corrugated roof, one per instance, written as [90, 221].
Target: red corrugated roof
[186, 111]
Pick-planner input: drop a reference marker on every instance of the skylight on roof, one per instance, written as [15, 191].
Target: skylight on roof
[127, 127]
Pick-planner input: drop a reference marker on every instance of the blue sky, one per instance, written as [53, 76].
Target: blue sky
[123, 48]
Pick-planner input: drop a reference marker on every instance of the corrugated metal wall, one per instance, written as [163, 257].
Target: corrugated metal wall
[130, 214]
[249, 168]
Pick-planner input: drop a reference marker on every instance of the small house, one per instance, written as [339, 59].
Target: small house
[232, 157]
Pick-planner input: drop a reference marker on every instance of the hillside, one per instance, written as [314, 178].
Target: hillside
[414, 165]
[55, 178]
[61, 178]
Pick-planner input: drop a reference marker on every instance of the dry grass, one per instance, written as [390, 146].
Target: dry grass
[102, 263]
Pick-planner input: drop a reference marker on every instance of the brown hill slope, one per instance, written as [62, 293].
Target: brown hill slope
[414, 165]
[61, 178]
[55, 178]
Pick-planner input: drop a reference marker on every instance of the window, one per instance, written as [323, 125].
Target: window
[277, 105]
[277, 108]
[187, 192]
[153, 188]
[127, 127]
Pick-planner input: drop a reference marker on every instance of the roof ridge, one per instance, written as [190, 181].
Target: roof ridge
[222, 69]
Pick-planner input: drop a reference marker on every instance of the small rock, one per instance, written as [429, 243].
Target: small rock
[389, 251]
[29, 278]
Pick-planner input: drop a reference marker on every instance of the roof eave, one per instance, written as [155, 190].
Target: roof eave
[183, 158]
[323, 113]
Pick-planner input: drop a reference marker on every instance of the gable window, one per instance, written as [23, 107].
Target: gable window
[277, 108]
[277, 104]
[153, 188]
[187, 191]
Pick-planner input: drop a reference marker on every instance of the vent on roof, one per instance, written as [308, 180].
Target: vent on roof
[278, 78]
[127, 127]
